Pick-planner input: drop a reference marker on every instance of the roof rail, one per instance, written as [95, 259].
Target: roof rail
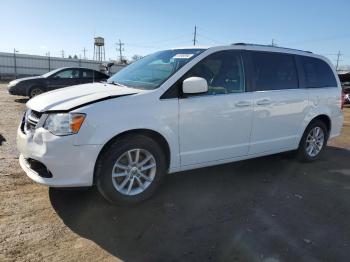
[248, 44]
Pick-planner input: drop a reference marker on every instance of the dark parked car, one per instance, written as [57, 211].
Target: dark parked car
[62, 77]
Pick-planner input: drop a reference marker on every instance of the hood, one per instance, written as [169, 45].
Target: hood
[14, 82]
[75, 96]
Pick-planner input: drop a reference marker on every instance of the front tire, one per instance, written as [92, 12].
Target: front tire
[35, 91]
[130, 170]
[313, 141]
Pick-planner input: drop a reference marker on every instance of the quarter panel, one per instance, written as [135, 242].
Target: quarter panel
[324, 101]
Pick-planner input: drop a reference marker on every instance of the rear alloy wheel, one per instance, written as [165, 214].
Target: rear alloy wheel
[130, 169]
[313, 141]
[35, 91]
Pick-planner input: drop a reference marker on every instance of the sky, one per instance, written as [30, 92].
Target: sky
[42, 26]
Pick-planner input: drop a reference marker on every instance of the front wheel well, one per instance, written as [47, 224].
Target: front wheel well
[157, 137]
[35, 86]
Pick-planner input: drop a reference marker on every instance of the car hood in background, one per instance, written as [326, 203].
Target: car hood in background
[14, 82]
[71, 97]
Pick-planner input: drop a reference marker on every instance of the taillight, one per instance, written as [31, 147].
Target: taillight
[342, 99]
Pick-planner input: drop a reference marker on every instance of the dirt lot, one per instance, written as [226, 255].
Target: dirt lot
[267, 209]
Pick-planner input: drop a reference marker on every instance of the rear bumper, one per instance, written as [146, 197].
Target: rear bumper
[70, 165]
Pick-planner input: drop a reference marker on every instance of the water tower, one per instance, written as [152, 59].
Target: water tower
[99, 49]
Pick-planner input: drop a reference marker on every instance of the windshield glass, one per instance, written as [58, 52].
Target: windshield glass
[153, 70]
[51, 72]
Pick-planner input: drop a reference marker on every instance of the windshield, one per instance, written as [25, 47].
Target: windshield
[51, 72]
[153, 70]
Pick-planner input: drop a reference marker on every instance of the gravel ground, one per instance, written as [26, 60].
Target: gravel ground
[267, 209]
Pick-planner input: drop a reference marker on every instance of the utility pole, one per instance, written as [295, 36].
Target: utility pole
[338, 56]
[84, 51]
[62, 53]
[195, 35]
[272, 42]
[15, 62]
[48, 56]
[120, 49]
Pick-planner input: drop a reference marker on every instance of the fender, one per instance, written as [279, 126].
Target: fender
[108, 118]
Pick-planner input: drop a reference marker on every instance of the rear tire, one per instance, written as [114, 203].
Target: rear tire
[121, 175]
[313, 141]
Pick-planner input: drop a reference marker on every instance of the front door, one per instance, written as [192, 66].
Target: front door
[216, 125]
[66, 77]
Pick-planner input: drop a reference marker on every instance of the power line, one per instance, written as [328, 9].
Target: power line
[160, 40]
[327, 38]
[210, 39]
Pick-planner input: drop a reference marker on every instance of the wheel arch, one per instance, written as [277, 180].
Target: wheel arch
[156, 136]
[38, 85]
[322, 117]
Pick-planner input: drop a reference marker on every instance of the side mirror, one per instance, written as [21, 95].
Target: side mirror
[194, 85]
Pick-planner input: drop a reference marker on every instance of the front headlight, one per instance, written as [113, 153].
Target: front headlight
[62, 124]
[12, 83]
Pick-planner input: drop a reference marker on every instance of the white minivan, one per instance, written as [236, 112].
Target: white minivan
[177, 110]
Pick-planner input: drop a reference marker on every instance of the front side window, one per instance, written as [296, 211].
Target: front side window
[70, 73]
[223, 72]
[317, 73]
[153, 70]
[274, 71]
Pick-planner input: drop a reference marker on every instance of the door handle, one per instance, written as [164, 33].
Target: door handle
[263, 102]
[242, 103]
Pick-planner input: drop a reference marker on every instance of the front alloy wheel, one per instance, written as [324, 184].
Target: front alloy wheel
[134, 171]
[35, 92]
[130, 169]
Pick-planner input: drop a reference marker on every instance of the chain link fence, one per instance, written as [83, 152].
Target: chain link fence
[14, 65]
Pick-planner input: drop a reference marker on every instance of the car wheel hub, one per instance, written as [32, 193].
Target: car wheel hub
[314, 141]
[134, 171]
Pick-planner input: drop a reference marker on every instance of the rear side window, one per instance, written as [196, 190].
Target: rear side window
[87, 73]
[317, 73]
[274, 71]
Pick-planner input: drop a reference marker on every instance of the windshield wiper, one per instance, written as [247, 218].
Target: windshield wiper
[116, 84]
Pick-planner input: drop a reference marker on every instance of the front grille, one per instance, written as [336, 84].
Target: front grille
[30, 120]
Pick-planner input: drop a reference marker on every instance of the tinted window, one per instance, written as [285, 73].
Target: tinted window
[223, 72]
[87, 73]
[100, 75]
[69, 73]
[274, 71]
[317, 73]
